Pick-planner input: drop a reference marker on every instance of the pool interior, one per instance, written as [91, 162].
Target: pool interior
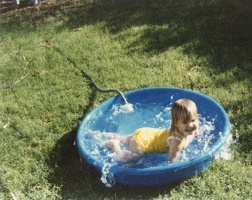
[154, 115]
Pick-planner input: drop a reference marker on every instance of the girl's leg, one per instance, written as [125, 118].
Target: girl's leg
[114, 145]
[123, 139]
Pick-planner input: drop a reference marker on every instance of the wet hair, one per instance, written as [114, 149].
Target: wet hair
[183, 110]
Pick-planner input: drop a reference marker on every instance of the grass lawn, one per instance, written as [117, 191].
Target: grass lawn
[201, 45]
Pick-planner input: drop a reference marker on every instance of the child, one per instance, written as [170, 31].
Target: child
[150, 140]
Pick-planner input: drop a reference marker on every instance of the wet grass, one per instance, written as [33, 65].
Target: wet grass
[199, 45]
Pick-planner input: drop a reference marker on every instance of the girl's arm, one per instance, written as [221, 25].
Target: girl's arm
[175, 146]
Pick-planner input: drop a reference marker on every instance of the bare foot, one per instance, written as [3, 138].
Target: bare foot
[110, 144]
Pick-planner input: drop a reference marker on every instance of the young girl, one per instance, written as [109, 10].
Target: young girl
[151, 140]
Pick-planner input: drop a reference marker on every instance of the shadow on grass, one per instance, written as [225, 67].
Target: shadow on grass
[217, 30]
[3, 188]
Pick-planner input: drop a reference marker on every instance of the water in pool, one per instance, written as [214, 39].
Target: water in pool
[119, 120]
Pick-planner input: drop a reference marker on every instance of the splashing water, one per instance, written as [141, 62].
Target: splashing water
[144, 115]
[107, 177]
[225, 152]
[126, 108]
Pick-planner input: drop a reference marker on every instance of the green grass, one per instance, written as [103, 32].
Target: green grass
[125, 44]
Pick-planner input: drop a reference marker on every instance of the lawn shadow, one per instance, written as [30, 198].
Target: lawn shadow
[217, 30]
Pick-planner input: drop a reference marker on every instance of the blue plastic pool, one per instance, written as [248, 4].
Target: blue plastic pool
[151, 108]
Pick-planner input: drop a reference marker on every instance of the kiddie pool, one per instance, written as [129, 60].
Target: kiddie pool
[146, 103]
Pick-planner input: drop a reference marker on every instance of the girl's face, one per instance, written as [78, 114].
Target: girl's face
[188, 127]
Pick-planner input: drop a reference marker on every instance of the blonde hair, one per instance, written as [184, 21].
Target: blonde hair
[183, 110]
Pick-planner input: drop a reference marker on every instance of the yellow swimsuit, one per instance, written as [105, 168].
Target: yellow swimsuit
[153, 140]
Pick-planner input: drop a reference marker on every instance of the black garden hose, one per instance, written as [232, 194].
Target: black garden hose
[102, 90]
